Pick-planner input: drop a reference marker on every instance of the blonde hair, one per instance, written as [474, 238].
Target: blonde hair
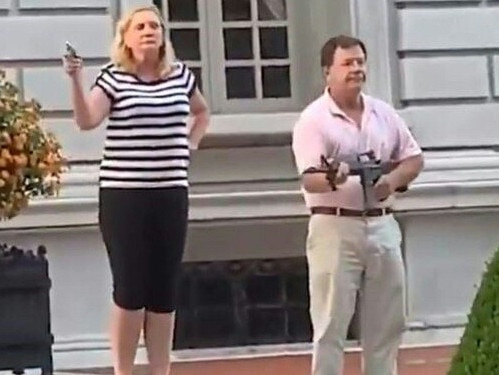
[121, 55]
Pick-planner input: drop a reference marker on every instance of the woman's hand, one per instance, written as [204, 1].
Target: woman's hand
[72, 66]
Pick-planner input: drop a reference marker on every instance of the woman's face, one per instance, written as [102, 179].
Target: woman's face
[145, 34]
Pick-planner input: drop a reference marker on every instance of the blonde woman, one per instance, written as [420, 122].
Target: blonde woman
[147, 97]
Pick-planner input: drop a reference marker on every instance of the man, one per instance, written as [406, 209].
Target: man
[351, 248]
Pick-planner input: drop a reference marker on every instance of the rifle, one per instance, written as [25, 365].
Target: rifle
[365, 165]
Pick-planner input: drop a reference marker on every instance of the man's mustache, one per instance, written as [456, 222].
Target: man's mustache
[356, 76]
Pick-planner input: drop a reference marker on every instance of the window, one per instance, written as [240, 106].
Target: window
[240, 51]
[256, 59]
[184, 29]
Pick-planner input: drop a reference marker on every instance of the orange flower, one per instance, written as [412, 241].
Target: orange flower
[31, 159]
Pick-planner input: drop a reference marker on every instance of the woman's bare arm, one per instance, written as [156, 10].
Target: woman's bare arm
[201, 114]
[91, 110]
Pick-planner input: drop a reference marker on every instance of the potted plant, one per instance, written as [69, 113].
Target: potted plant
[31, 165]
[31, 161]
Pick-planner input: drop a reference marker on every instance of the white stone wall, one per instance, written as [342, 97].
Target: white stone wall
[437, 62]
[32, 39]
[448, 71]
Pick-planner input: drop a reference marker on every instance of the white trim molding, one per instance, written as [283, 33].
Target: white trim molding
[451, 180]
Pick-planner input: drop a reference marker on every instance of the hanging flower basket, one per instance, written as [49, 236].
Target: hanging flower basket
[31, 160]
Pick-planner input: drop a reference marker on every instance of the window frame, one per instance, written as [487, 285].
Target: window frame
[220, 101]
[203, 63]
[304, 41]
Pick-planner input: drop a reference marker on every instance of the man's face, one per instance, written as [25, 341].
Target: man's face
[348, 69]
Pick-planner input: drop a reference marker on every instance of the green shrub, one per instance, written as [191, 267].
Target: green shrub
[478, 350]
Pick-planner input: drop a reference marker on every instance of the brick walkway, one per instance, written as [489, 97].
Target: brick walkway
[430, 361]
[420, 361]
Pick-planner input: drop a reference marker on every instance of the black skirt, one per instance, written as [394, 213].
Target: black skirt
[144, 231]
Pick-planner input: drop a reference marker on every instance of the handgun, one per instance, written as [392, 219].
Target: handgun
[71, 51]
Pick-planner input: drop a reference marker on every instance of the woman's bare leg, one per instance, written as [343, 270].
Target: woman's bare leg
[126, 326]
[158, 334]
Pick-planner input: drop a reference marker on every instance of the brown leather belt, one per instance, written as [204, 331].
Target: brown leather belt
[339, 211]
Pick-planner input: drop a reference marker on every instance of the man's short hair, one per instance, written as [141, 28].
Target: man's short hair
[340, 41]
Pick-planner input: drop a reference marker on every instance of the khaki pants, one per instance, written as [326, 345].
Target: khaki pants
[346, 255]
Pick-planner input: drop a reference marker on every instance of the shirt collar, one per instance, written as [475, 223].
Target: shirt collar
[336, 111]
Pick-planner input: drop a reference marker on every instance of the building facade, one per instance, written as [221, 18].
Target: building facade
[257, 62]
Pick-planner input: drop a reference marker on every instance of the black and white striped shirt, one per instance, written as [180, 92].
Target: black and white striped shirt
[146, 142]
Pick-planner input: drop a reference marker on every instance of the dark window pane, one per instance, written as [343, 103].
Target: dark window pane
[158, 4]
[186, 43]
[240, 82]
[276, 82]
[238, 44]
[199, 78]
[236, 10]
[272, 10]
[183, 10]
[274, 43]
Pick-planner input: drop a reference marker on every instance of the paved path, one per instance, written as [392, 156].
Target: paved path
[421, 361]
[432, 361]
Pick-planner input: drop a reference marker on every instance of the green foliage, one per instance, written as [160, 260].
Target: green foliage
[31, 160]
[478, 351]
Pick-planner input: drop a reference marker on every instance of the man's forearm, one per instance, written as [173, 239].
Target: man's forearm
[406, 171]
[316, 183]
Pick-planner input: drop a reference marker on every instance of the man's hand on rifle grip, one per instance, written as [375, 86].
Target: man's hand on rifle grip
[325, 177]
[342, 174]
[383, 188]
[336, 172]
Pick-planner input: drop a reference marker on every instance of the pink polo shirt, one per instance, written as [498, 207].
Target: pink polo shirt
[324, 129]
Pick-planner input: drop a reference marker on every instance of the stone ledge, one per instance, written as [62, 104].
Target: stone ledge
[451, 181]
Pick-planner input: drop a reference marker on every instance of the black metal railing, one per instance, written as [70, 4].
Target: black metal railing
[248, 302]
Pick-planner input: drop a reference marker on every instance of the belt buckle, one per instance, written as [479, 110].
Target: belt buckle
[369, 212]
